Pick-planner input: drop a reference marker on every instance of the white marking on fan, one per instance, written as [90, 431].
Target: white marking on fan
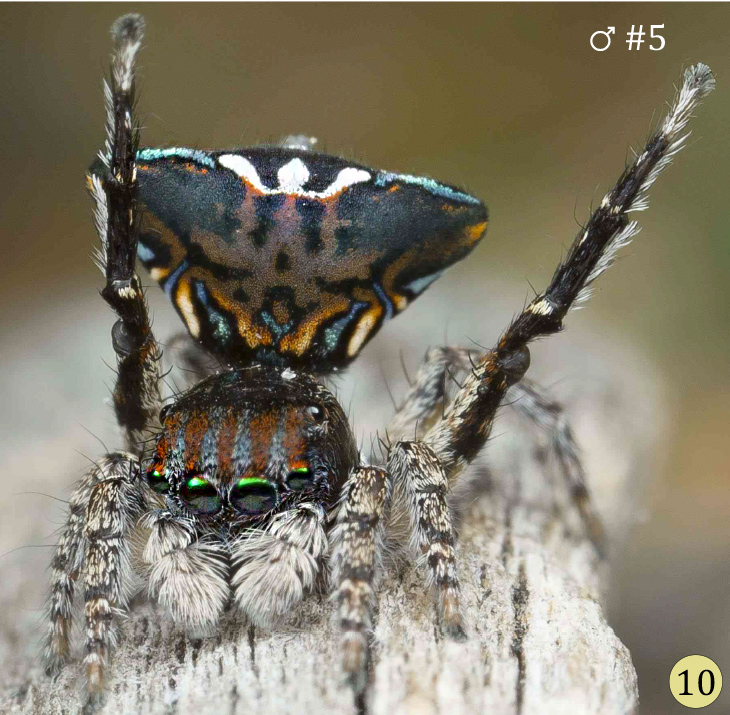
[145, 252]
[187, 309]
[361, 332]
[292, 177]
[419, 285]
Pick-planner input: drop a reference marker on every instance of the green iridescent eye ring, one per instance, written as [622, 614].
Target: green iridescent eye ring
[299, 479]
[157, 481]
[200, 496]
[196, 483]
[248, 481]
[254, 495]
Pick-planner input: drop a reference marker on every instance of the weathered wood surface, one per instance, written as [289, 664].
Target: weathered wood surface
[532, 587]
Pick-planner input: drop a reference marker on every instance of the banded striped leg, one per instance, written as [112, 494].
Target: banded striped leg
[417, 471]
[357, 544]
[459, 436]
[113, 508]
[550, 416]
[112, 182]
[428, 392]
[65, 567]
[103, 507]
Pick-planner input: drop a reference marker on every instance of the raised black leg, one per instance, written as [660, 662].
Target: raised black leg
[112, 181]
[459, 436]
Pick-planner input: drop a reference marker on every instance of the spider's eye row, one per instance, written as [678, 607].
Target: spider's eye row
[299, 479]
[200, 496]
[252, 496]
[158, 481]
[164, 411]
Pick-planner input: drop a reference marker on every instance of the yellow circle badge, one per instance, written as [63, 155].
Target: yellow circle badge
[695, 681]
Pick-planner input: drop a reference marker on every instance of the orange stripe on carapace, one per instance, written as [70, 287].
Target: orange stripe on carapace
[183, 301]
[164, 445]
[262, 427]
[174, 245]
[294, 442]
[193, 168]
[195, 430]
[366, 322]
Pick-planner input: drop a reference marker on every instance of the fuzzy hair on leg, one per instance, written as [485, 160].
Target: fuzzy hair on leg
[357, 546]
[416, 470]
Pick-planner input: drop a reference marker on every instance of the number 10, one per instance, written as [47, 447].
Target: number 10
[700, 682]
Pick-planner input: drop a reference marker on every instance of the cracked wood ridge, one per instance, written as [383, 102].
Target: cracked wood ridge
[531, 583]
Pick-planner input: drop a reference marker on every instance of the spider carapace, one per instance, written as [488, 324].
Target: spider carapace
[241, 491]
[246, 443]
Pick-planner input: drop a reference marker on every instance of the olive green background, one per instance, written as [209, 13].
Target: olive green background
[508, 101]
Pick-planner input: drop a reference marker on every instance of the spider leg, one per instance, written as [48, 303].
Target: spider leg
[357, 545]
[112, 182]
[426, 395]
[419, 477]
[418, 410]
[459, 436]
[94, 546]
[549, 415]
[65, 567]
[114, 505]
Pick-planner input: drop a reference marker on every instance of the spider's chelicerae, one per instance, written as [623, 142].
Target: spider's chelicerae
[283, 263]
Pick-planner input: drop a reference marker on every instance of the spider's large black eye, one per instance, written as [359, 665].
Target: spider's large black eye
[200, 496]
[158, 481]
[254, 496]
[300, 479]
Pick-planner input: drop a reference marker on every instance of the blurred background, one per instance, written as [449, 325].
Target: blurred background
[509, 101]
